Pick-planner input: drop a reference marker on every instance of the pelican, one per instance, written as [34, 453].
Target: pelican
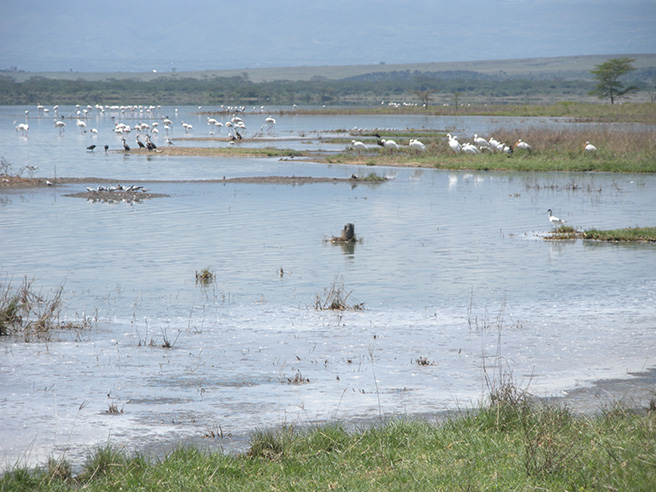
[555, 220]
[454, 144]
[417, 145]
[588, 147]
[358, 146]
[522, 145]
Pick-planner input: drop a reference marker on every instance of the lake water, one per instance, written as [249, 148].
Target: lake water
[452, 269]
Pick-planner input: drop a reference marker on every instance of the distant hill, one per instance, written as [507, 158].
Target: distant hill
[567, 68]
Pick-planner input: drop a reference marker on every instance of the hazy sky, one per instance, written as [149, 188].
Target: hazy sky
[119, 35]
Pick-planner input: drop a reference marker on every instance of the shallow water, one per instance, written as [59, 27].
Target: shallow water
[452, 268]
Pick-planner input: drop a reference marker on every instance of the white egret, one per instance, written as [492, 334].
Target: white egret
[588, 147]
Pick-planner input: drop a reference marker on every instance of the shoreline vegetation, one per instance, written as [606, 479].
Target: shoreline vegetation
[510, 443]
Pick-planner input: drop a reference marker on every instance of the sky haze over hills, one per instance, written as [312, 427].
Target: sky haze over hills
[42, 35]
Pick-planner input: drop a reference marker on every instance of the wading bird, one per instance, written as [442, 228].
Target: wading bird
[417, 146]
[555, 220]
[522, 145]
[91, 147]
[454, 144]
[358, 146]
[588, 147]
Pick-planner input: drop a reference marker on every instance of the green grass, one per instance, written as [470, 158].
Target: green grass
[552, 150]
[647, 234]
[519, 446]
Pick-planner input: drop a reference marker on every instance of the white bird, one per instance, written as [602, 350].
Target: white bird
[390, 144]
[468, 148]
[454, 144]
[417, 145]
[358, 146]
[81, 125]
[555, 220]
[23, 128]
[522, 145]
[589, 147]
[480, 141]
[60, 124]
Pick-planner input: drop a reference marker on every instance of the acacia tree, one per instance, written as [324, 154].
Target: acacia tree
[608, 76]
[425, 96]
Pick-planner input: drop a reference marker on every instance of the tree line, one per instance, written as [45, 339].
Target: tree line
[394, 86]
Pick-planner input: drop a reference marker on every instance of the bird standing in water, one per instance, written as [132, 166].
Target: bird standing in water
[555, 220]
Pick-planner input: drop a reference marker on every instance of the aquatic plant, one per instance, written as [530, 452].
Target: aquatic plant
[23, 311]
[205, 276]
[335, 298]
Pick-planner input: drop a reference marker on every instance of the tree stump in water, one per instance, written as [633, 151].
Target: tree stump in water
[347, 236]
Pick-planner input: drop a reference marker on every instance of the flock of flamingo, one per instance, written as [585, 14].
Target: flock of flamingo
[235, 126]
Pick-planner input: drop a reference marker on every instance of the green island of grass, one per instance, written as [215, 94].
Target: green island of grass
[629, 234]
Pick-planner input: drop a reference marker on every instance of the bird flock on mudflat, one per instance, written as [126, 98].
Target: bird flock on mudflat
[149, 131]
[478, 145]
[117, 188]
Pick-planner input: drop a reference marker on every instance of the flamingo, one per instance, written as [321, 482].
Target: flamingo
[23, 128]
[555, 220]
[588, 147]
[81, 125]
[60, 124]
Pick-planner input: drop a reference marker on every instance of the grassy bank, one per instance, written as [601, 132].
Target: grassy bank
[551, 150]
[506, 446]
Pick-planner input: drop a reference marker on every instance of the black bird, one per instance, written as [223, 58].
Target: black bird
[149, 144]
[125, 145]
[91, 147]
[141, 144]
[106, 148]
